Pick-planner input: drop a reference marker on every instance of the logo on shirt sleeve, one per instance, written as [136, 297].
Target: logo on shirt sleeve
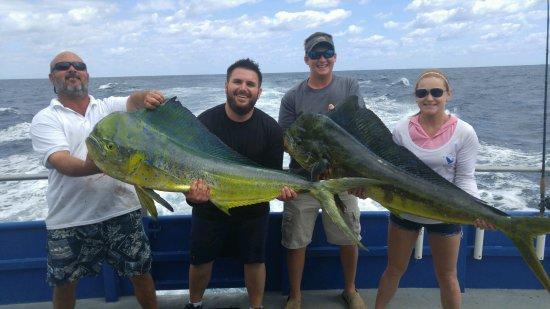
[450, 159]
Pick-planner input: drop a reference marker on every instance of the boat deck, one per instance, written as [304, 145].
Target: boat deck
[410, 298]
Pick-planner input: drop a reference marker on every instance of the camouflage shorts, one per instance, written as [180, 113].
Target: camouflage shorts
[76, 252]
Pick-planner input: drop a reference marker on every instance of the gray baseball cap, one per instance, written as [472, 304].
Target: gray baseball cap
[316, 38]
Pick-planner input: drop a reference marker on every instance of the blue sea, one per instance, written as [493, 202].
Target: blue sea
[504, 105]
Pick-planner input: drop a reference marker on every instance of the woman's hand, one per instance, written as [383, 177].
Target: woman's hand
[287, 194]
[482, 224]
[199, 192]
[359, 192]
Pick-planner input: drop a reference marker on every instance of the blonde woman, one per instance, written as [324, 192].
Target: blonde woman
[448, 145]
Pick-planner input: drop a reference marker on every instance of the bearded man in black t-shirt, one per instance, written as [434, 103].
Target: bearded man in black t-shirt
[256, 135]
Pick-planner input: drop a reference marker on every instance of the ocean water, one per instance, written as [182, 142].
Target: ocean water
[504, 105]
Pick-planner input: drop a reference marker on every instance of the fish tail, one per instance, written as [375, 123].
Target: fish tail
[522, 232]
[324, 192]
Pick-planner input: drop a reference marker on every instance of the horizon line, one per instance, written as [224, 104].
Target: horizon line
[213, 74]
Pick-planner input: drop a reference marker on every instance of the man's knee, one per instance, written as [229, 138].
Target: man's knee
[66, 288]
[143, 279]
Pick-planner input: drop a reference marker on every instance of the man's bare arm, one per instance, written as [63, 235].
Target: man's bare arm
[68, 165]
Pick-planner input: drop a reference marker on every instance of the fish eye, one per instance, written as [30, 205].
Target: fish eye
[110, 146]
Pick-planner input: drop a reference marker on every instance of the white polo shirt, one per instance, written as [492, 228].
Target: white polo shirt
[74, 201]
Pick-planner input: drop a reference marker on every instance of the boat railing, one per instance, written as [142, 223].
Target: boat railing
[23, 260]
[479, 236]
[479, 168]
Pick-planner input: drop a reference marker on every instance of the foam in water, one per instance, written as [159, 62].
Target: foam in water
[7, 110]
[26, 200]
[402, 81]
[108, 86]
[19, 131]
[22, 200]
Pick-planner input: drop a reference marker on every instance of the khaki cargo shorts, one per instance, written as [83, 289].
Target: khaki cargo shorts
[299, 217]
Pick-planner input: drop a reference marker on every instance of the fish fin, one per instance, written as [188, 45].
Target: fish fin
[522, 231]
[175, 122]
[339, 203]
[224, 208]
[369, 130]
[329, 206]
[319, 168]
[146, 202]
[155, 196]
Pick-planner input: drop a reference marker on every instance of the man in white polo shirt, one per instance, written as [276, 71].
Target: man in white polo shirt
[91, 216]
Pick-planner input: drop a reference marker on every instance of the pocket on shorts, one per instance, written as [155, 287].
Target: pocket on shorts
[59, 249]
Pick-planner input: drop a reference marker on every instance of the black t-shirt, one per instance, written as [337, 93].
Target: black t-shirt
[259, 138]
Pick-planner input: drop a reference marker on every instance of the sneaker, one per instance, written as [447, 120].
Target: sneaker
[190, 306]
[293, 303]
[353, 300]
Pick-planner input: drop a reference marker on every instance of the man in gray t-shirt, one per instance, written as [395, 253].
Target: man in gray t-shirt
[320, 93]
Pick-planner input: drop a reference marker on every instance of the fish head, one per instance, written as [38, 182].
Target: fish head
[109, 149]
[304, 140]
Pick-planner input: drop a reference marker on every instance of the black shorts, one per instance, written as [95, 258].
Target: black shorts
[444, 229]
[242, 238]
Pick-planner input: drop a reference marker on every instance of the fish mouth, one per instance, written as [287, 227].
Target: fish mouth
[93, 144]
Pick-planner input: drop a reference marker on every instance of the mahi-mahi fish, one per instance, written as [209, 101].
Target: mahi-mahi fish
[353, 142]
[168, 148]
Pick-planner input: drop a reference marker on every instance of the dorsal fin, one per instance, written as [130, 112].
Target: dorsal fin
[177, 123]
[365, 126]
[369, 130]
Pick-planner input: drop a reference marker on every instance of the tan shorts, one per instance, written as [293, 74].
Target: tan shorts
[299, 217]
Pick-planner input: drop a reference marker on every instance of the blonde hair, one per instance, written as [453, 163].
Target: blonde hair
[433, 73]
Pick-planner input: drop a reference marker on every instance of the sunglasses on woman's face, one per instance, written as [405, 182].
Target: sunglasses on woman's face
[423, 92]
[329, 53]
[65, 65]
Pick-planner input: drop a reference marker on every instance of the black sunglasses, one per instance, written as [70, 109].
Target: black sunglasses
[65, 65]
[423, 92]
[329, 53]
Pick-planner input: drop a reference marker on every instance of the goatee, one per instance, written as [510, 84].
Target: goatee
[61, 87]
[241, 110]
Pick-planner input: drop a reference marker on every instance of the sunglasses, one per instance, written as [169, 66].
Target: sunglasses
[329, 53]
[65, 65]
[423, 92]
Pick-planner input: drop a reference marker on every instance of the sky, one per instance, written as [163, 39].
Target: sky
[187, 37]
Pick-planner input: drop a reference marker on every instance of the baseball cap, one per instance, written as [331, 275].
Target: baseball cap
[316, 38]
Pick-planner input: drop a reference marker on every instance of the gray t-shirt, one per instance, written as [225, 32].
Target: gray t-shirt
[304, 99]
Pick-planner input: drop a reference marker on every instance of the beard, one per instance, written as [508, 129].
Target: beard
[240, 110]
[62, 87]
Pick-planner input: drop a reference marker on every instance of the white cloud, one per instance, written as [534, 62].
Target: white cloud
[375, 41]
[196, 7]
[353, 29]
[309, 19]
[350, 30]
[508, 6]
[418, 5]
[391, 25]
[84, 14]
[322, 4]
[383, 15]
[120, 50]
[155, 5]
[499, 31]
[436, 17]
